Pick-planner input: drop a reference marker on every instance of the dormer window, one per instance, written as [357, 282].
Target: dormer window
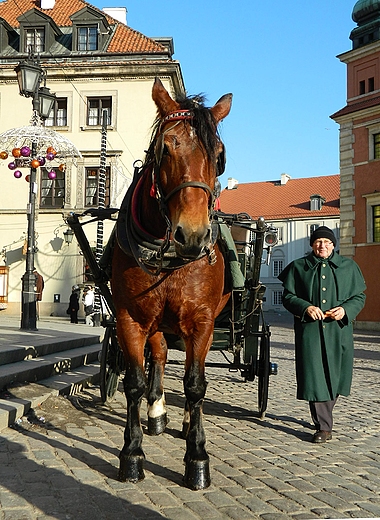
[316, 202]
[88, 38]
[34, 40]
[90, 30]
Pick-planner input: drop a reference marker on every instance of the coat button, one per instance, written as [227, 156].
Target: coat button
[323, 276]
[323, 301]
[323, 265]
[323, 288]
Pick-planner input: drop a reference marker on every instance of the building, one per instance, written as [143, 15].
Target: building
[359, 145]
[295, 207]
[96, 65]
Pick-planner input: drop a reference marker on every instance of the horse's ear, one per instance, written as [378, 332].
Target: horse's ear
[164, 102]
[222, 108]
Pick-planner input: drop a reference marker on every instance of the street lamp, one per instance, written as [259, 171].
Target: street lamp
[29, 77]
[68, 235]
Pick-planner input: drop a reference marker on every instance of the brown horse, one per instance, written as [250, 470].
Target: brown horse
[170, 275]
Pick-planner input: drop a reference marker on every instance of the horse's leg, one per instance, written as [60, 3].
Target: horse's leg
[197, 467]
[157, 418]
[132, 456]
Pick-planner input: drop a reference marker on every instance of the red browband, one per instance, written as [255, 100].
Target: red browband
[178, 115]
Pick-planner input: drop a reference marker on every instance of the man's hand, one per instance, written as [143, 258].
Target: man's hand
[337, 313]
[315, 313]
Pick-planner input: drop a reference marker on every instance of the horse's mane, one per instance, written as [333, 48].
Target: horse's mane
[202, 121]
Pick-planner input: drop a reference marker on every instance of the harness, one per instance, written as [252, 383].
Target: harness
[154, 254]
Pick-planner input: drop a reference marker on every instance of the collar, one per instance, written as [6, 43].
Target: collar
[334, 260]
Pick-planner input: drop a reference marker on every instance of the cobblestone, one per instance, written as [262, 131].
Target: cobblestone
[260, 468]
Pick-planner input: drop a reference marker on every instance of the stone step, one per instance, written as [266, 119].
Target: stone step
[43, 367]
[19, 398]
[43, 346]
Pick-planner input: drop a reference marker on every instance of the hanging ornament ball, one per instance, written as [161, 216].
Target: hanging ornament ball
[27, 178]
[41, 160]
[35, 163]
[12, 165]
[52, 175]
[50, 156]
[17, 174]
[51, 150]
[3, 155]
[16, 152]
[25, 151]
[62, 167]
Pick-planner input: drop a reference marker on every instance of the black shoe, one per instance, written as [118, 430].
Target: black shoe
[321, 436]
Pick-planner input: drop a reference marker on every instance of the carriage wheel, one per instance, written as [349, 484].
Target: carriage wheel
[263, 374]
[111, 365]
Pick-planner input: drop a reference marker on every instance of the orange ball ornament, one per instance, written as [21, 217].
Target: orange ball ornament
[3, 155]
[51, 150]
[35, 163]
[27, 178]
[16, 152]
[62, 167]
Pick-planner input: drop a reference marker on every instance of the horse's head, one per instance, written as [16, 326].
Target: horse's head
[188, 157]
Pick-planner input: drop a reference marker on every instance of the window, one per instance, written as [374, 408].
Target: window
[376, 223]
[312, 228]
[361, 87]
[34, 40]
[52, 190]
[88, 38]
[95, 108]
[371, 84]
[92, 191]
[58, 115]
[278, 266]
[376, 146]
[276, 297]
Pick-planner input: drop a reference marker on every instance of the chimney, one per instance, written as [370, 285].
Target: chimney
[47, 4]
[284, 178]
[118, 13]
[232, 184]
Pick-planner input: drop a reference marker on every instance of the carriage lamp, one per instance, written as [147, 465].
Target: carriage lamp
[68, 236]
[270, 238]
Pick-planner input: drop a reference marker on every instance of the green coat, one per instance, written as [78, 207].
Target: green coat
[324, 349]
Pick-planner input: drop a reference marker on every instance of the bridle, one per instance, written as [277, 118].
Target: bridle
[157, 191]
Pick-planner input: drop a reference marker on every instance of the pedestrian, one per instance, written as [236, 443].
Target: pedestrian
[88, 302]
[324, 292]
[74, 304]
[38, 288]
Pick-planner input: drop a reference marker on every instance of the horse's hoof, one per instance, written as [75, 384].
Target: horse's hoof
[131, 469]
[197, 474]
[157, 425]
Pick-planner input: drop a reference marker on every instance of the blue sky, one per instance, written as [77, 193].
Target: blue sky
[278, 58]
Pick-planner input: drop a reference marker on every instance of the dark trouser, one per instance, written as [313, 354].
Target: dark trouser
[74, 316]
[321, 413]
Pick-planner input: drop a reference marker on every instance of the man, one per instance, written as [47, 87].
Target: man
[324, 292]
[39, 287]
[88, 302]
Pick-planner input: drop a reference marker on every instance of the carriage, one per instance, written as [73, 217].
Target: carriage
[177, 273]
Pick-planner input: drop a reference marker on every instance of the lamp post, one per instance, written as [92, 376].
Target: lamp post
[29, 77]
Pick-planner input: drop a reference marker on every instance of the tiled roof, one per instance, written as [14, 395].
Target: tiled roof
[272, 200]
[124, 39]
[354, 107]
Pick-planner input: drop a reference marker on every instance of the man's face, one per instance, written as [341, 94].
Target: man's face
[323, 247]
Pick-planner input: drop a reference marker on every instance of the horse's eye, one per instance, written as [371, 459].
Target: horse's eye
[165, 150]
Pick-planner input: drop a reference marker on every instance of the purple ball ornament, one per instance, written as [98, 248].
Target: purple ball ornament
[12, 165]
[52, 175]
[25, 151]
[41, 160]
[17, 174]
[50, 156]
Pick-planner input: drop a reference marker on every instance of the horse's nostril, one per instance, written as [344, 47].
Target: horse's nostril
[179, 236]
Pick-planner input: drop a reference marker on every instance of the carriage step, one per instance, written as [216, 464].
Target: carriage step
[39, 368]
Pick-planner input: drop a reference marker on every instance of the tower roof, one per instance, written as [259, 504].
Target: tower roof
[365, 10]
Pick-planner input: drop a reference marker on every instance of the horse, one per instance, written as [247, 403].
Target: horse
[168, 274]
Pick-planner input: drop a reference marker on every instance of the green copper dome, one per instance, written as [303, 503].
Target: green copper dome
[365, 10]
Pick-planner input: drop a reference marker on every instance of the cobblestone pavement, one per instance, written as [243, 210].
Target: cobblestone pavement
[63, 464]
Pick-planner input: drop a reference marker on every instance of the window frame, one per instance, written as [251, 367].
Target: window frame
[86, 43]
[56, 202]
[54, 117]
[95, 186]
[372, 200]
[35, 48]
